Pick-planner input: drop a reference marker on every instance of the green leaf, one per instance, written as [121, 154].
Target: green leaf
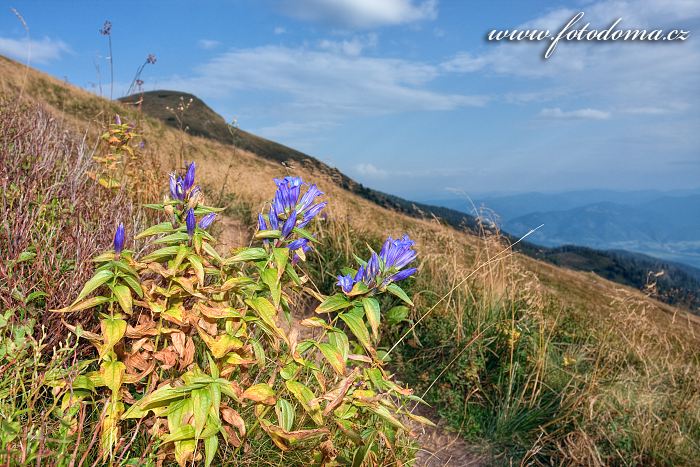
[396, 315]
[267, 313]
[354, 321]
[371, 306]
[268, 234]
[182, 433]
[306, 399]
[211, 444]
[123, 294]
[285, 414]
[333, 303]
[339, 340]
[202, 209]
[177, 237]
[212, 252]
[134, 285]
[334, 357]
[271, 279]
[161, 254]
[398, 291]
[305, 234]
[163, 227]
[247, 254]
[201, 403]
[97, 280]
[113, 330]
[281, 256]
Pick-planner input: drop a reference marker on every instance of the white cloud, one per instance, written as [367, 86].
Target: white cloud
[362, 13]
[586, 114]
[279, 30]
[37, 51]
[353, 46]
[324, 84]
[208, 44]
[370, 170]
[631, 78]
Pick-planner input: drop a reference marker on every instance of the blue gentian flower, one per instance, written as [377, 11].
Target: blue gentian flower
[397, 253]
[401, 275]
[189, 177]
[119, 239]
[190, 221]
[289, 224]
[117, 119]
[298, 243]
[274, 219]
[261, 222]
[386, 267]
[176, 191]
[206, 221]
[345, 282]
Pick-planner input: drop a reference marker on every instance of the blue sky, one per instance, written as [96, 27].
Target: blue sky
[406, 96]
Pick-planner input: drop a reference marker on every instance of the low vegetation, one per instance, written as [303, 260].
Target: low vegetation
[529, 362]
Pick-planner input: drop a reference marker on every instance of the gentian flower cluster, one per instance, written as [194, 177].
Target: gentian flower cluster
[291, 209]
[183, 188]
[384, 268]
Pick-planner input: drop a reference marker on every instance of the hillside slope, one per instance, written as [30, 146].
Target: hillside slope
[248, 174]
[544, 364]
[676, 286]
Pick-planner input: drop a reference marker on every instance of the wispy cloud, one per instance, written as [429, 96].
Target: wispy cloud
[37, 51]
[352, 46]
[208, 44]
[587, 114]
[361, 13]
[279, 30]
[325, 82]
[371, 171]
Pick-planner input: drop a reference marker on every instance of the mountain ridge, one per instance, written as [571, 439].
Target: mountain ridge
[678, 287]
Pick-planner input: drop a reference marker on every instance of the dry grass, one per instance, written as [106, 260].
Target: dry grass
[628, 389]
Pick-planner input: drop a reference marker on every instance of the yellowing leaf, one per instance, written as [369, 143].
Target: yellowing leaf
[84, 305]
[201, 402]
[267, 313]
[371, 306]
[113, 330]
[123, 294]
[333, 356]
[261, 392]
[112, 373]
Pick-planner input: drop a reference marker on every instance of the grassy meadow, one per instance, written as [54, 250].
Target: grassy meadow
[530, 363]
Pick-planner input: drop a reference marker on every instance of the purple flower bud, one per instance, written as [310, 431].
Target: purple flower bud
[117, 119]
[173, 187]
[190, 221]
[274, 219]
[189, 177]
[119, 239]
[311, 213]
[289, 224]
[401, 275]
[345, 283]
[207, 220]
[261, 222]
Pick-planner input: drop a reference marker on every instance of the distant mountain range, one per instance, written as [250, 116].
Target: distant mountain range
[665, 225]
[679, 285]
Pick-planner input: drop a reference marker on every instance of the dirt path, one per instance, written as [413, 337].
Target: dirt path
[441, 446]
